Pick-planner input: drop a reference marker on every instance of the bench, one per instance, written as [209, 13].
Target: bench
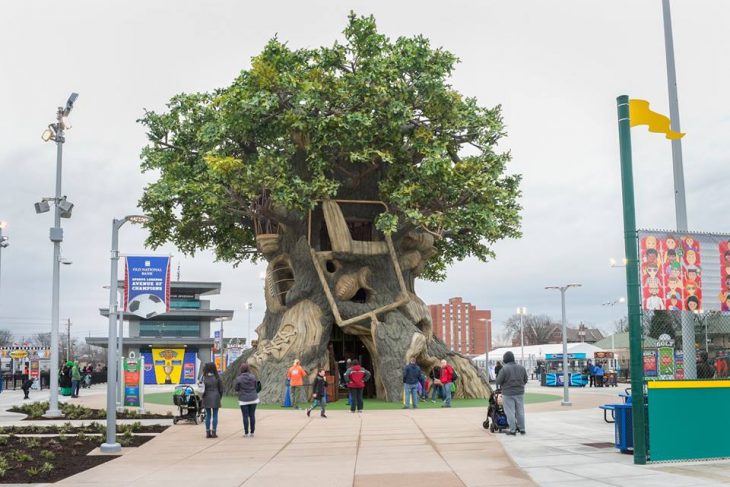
[606, 408]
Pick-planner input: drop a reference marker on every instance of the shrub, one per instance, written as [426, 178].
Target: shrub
[32, 442]
[46, 468]
[32, 471]
[47, 455]
[4, 467]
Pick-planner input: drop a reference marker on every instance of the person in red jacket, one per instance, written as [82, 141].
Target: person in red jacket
[447, 377]
[356, 377]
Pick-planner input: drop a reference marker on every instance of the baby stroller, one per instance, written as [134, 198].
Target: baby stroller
[496, 419]
[189, 404]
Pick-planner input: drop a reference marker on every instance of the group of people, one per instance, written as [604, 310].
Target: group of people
[72, 376]
[596, 373]
[440, 383]
[708, 370]
[247, 387]
[354, 378]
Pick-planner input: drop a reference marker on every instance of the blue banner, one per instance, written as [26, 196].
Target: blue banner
[147, 286]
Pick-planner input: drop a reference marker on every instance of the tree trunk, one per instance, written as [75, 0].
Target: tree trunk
[320, 277]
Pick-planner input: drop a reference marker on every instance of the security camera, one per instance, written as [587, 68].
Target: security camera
[4, 242]
[65, 261]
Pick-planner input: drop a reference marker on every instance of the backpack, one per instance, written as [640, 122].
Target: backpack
[454, 376]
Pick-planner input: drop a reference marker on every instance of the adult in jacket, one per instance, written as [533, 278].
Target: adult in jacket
[436, 388]
[411, 378]
[295, 374]
[248, 398]
[212, 395]
[512, 379]
[447, 377]
[356, 377]
[319, 392]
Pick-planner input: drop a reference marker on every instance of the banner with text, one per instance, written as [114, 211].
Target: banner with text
[147, 285]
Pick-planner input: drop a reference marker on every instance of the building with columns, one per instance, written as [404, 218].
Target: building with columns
[463, 327]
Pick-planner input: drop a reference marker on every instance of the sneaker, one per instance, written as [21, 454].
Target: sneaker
[245, 435]
[510, 433]
[323, 415]
[359, 410]
[309, 411]
[353, 412]
[446, 405]
[523, 432]
[404, 407]
[251, 435]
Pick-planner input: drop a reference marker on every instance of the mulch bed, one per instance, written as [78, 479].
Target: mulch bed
[36, 460]
[67, 429]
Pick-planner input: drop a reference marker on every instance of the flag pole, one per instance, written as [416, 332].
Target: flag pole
[633, 285]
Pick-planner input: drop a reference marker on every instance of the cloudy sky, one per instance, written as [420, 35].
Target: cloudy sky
[555, 67]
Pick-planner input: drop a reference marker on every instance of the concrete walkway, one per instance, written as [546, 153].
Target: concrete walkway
[573, 446]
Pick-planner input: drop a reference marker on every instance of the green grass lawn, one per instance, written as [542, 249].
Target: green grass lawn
[232, 402]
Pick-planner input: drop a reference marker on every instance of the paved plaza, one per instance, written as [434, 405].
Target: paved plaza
[436, 447]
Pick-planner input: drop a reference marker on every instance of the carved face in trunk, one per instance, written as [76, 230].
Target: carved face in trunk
[340, 272]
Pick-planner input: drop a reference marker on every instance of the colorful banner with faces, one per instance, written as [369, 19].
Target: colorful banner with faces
[684, 271]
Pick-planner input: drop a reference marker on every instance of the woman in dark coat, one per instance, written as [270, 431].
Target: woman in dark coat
[248, 398]
[211, 397]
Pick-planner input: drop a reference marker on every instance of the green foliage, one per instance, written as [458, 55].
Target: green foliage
[4, 467]
[46, 468]
[126, 438]
[47, 455]
[3, 440]
[32, 471]
[32, 442]
[370, 117]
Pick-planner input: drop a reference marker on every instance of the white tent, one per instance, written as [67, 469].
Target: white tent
[533, 353]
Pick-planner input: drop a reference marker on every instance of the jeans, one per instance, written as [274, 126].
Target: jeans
[514, 408]
[208, 413]
[75, 384]
[412, 394]
[249, 417]
[447, 394]
[319, 401]
[436, 391]
[295, 395]
[356, 399]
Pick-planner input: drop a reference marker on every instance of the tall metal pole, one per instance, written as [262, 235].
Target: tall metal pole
[223, 365]
[680, 204]
[111, 445]
[56, 235]
[566, 376]
[633, 284]
[522, 336]
[248, 332]
[2, 246]
[120, 355]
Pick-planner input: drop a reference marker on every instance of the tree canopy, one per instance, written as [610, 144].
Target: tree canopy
[368, 117]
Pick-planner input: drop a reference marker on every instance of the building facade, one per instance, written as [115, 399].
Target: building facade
[462, 327]
[175, 343]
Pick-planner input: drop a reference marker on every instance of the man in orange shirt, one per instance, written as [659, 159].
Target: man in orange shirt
[296, 380]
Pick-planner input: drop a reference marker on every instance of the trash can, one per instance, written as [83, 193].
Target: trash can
[624, 428]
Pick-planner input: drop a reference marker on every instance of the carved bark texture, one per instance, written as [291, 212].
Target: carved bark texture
[354, 285]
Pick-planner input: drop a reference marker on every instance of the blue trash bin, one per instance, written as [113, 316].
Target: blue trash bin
[624, 429]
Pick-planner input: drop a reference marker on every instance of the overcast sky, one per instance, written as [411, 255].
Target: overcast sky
[555, 67]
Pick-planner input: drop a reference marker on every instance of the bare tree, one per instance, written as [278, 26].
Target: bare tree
[42, 339]
[621, 325]
[538, 329]
[6, 338]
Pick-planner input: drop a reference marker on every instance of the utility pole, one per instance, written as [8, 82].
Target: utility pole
[68, 339]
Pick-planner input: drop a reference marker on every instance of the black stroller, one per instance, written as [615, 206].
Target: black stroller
[189, 404]
[496, 418]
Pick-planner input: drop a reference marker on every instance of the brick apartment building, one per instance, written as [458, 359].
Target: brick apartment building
[462, 326]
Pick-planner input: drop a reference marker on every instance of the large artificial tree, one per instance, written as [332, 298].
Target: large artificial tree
[353, 170]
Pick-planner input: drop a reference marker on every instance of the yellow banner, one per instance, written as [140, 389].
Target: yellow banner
[640, 114]
[168, 364]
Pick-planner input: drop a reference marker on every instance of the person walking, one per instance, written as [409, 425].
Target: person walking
[356, 377]
[318, 393]
[247, 389]
[435, 376]
[447, 377]
[75, 379]
[512, 379]
[296, 380]
[212, 395]
[411, 377]
[27, 384]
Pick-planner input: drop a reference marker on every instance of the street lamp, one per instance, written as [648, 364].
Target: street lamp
[620, 300]
[522, 312]
[3, 243]
[62, 208]
[111, 445]
[613, 262]
[566, 379]
[220, 343]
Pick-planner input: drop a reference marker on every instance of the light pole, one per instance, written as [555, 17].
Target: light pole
[522, 312]
[701, 317]
[3, 244]
[566, 378]
[486, 348]
[62, 209]
[249, 306]
[111, 445]
[223, 364]
[620, 300]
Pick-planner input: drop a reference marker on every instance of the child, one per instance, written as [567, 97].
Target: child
[26, 387]
[320, 389]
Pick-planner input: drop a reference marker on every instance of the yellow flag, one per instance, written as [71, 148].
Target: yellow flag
[640, 114]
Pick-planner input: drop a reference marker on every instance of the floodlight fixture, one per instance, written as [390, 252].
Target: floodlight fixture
[65, 206]
[42, 207]
[48, 134]
[138, 219]
[70, 104]
[63, 261]
[3, 224]
[66, 123]
[4, 242]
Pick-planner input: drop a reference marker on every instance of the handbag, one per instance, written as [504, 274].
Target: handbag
[258, 386]
[201, 387]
